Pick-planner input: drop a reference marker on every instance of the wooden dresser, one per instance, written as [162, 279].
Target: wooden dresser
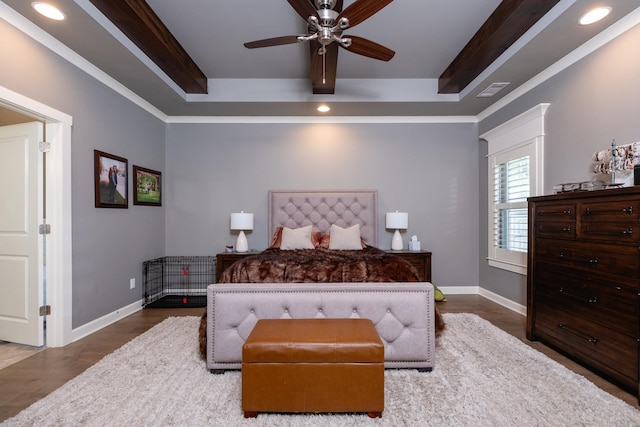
[583, 279]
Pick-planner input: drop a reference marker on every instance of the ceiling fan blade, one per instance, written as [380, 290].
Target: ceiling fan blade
[304, 8]
[323, 76]
[360, 10]
[275, 41]
[366, 47]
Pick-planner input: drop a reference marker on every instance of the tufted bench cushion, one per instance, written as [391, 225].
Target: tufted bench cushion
[313, 365]
[403, 315]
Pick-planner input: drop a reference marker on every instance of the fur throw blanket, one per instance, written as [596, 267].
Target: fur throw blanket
[320, 266]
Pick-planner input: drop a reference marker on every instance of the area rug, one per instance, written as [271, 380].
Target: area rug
[483, 377]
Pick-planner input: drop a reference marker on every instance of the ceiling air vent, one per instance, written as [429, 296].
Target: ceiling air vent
[492, 89]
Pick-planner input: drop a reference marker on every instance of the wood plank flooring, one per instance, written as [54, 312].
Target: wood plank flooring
[33, 378]
[11, 353]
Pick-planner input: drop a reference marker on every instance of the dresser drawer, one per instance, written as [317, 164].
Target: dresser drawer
[604, 349]
[555, 212]
[616, 220]
[555, 220]
[602, 301]
[604, 260]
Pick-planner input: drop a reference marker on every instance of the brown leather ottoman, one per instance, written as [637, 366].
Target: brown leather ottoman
[313, 365]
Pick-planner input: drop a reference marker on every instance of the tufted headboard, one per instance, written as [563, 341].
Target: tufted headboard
[321, 209]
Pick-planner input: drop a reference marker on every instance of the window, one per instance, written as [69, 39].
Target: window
[510, 185]
[515, 173]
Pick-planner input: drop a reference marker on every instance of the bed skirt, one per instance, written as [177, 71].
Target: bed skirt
[403, 314]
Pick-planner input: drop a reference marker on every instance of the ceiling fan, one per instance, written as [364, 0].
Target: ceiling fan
[327, 21]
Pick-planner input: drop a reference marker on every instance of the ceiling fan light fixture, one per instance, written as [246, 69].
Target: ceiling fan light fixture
[594, 15]
[48, 10]
[325, 4]
[323, 108]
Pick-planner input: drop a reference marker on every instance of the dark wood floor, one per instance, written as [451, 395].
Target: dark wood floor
[33, 378]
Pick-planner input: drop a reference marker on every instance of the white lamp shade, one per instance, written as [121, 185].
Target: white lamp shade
[242, 221]
[397, 220]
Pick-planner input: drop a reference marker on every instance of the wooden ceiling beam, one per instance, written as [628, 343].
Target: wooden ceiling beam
[510, 20]
[143, 27]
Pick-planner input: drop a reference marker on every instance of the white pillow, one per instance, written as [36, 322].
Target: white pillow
[296, 238]
[345, 238]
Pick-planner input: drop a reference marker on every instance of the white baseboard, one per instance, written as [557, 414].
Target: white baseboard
[492, 296]
[459, 290]
[104, 321]
[498, 299]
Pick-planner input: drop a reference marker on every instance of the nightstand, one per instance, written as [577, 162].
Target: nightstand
[421, 260]
[225, 259]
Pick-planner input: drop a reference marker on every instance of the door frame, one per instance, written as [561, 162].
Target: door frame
[58, 274]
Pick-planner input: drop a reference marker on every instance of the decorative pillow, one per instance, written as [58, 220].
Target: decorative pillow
[345, 238]
[296, 238]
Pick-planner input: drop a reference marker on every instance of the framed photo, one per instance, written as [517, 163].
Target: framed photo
[146, 187]
[110, 178]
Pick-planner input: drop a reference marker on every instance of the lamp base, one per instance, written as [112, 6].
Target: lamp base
[241, 243]
[396, 241]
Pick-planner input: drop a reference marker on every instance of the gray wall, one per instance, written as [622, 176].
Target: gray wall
[109, 245]
[592, 102]
[427, 170]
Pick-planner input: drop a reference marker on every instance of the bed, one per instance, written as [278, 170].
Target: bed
[335, 277]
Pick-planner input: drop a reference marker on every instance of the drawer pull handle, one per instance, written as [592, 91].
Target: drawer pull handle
[590, 300]
[548, 230]
[627, 233]
[582, 260]
[627, 210]
[592, 340]
[554, 212]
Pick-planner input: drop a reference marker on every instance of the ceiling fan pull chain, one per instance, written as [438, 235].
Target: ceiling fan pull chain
[324, 65]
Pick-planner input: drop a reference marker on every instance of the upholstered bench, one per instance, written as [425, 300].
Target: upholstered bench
[313, 365]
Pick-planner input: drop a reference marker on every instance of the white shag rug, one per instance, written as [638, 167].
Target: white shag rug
[483, 377]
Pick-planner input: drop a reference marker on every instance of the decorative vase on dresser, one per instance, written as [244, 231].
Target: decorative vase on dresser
[583, 279]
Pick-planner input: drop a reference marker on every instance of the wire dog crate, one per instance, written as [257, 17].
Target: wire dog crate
[178, 281]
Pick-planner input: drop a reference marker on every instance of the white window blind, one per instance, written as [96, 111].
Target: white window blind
[511, 189]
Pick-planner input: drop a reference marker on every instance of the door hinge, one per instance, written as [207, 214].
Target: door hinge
[44, 229]
[45, 310]
[45, 147]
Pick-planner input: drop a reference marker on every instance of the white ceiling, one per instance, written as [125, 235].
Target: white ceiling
[425, 34]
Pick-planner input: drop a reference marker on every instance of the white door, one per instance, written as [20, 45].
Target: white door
[20, 249]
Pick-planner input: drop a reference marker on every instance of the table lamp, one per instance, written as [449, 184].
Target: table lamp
[398, 221]
[242, 221]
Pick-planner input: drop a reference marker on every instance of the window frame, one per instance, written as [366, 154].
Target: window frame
[520, 136]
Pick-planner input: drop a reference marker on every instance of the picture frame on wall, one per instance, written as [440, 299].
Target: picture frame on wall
[147, 189]
[110, 180]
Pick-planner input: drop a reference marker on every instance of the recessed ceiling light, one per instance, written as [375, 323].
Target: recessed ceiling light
[48, 10]
[594, 15]
[324, 108]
